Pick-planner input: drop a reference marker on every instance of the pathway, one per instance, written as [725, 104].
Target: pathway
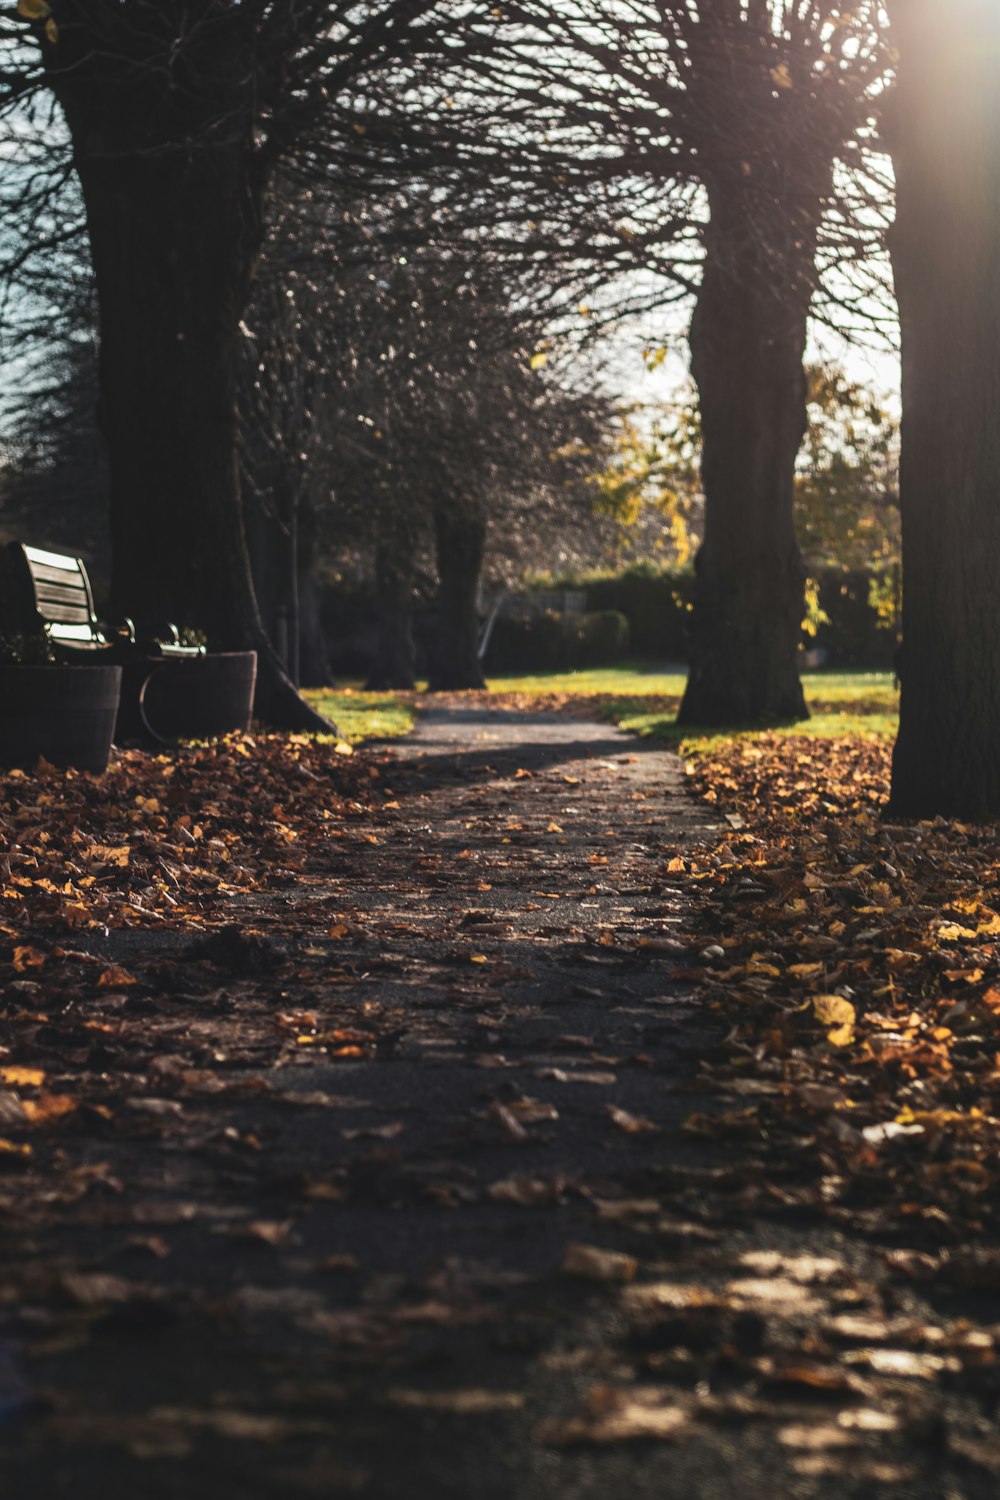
[400, 1207]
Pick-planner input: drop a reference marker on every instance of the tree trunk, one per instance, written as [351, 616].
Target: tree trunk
[174, 214]
[460, 540]
[171, 273]
[945, 128]
[394, 665]
[266, 544]
[314, 662]
[747, 344]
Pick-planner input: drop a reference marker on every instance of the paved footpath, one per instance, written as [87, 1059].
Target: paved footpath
[425, 1226]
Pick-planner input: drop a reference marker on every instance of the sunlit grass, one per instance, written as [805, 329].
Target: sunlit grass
[630, 679]
[640, 698]
[363, 716]
[840, 703]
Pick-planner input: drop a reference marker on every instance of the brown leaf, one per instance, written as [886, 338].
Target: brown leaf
[115, 978]
[526, 1192]
[614, 1415]
[595, 1264]
[629, 1123]
[469, 1401]
[26, 958]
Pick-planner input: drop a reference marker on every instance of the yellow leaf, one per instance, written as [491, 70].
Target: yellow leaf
[51, 31]
[34, 10]
[23, 1077]
[952, 933]
[343, 748]
[105, 854]
[781, 78]
[48, 1107]
[834, 1010]
[758, 966]
[478, 958]
[538, 360]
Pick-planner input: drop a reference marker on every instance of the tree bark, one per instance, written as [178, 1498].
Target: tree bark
[945, 134]
[171, 269]
[314, 661]
[394, 665]
[174, 206]
[460, 541]
[747, 344]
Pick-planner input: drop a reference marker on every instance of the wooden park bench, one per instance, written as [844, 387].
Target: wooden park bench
[53, 597]
[50, 595]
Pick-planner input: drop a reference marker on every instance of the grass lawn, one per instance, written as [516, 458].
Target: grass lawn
[637, 696]
[645, 701]
[364, 716]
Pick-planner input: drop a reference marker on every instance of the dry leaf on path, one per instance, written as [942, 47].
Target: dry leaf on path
[595, 1264]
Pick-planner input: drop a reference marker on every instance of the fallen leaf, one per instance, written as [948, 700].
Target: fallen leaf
[595, 1264]
[26, 958]
[115, 978]
[526, 1192]
[466, 1402]
[629, 1123]
[615, 1415]
[23, 1077]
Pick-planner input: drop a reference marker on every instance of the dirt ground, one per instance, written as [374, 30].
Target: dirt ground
[384, 1187]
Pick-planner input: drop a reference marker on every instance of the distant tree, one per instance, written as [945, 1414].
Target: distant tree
[845, 504]
[731, 139]
[651, 487]
[405, 378]
[847, 479]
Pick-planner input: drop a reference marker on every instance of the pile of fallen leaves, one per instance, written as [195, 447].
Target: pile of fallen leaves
[164, 839]
[141, 910]
[574, 705]
[856, 962]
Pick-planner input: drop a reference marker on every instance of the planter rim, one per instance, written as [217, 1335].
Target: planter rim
[60, 666]
[140, 658]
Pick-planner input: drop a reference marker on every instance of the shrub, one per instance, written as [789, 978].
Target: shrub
[541, 642]
[602, 637]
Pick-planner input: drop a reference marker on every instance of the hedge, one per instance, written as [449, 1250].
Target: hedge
[656, 604]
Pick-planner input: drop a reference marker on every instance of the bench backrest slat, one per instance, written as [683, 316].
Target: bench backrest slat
[56, 595]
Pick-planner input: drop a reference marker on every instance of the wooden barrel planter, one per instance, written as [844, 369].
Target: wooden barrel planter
[65, 714]
[165, 699]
